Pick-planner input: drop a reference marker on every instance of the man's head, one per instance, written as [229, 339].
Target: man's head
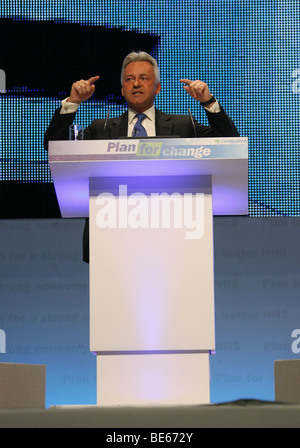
[140, 80]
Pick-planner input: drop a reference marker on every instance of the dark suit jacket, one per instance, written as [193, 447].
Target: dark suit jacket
[166, 126]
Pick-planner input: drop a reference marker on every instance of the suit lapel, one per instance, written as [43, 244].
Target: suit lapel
[163, 124]
[117, 127]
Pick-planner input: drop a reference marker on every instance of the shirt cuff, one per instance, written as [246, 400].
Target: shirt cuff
[215, 108]
[68, 108]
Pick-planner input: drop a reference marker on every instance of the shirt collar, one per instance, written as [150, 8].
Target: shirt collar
[149, 112]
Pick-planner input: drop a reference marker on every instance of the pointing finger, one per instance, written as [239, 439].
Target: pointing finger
[186, 81]
[93, 79]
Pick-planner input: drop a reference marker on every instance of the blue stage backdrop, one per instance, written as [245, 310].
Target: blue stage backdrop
[248, 53]
[246, 50]
[45, 304]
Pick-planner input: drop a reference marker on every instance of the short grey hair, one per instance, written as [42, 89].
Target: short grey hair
[140, 56]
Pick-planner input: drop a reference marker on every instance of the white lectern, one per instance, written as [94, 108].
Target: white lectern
[151, 204]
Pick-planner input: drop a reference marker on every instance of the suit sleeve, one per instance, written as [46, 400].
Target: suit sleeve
[58, 128]
[221, 125]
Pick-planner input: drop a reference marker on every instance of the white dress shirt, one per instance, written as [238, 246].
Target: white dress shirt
[148, 123]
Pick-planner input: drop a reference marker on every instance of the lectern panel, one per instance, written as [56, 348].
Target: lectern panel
[151, 266]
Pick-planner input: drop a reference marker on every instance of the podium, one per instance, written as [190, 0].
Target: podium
[150, 204]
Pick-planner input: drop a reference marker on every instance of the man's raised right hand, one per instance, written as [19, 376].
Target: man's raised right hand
[82, 90]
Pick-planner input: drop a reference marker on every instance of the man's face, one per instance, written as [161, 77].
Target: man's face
[139, 87]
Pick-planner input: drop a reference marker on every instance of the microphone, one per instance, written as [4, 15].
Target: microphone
[193, 122]
[106, 119]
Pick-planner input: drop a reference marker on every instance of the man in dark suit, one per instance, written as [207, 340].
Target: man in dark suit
[140, 82]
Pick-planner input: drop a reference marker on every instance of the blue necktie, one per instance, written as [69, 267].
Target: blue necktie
[139, 130]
